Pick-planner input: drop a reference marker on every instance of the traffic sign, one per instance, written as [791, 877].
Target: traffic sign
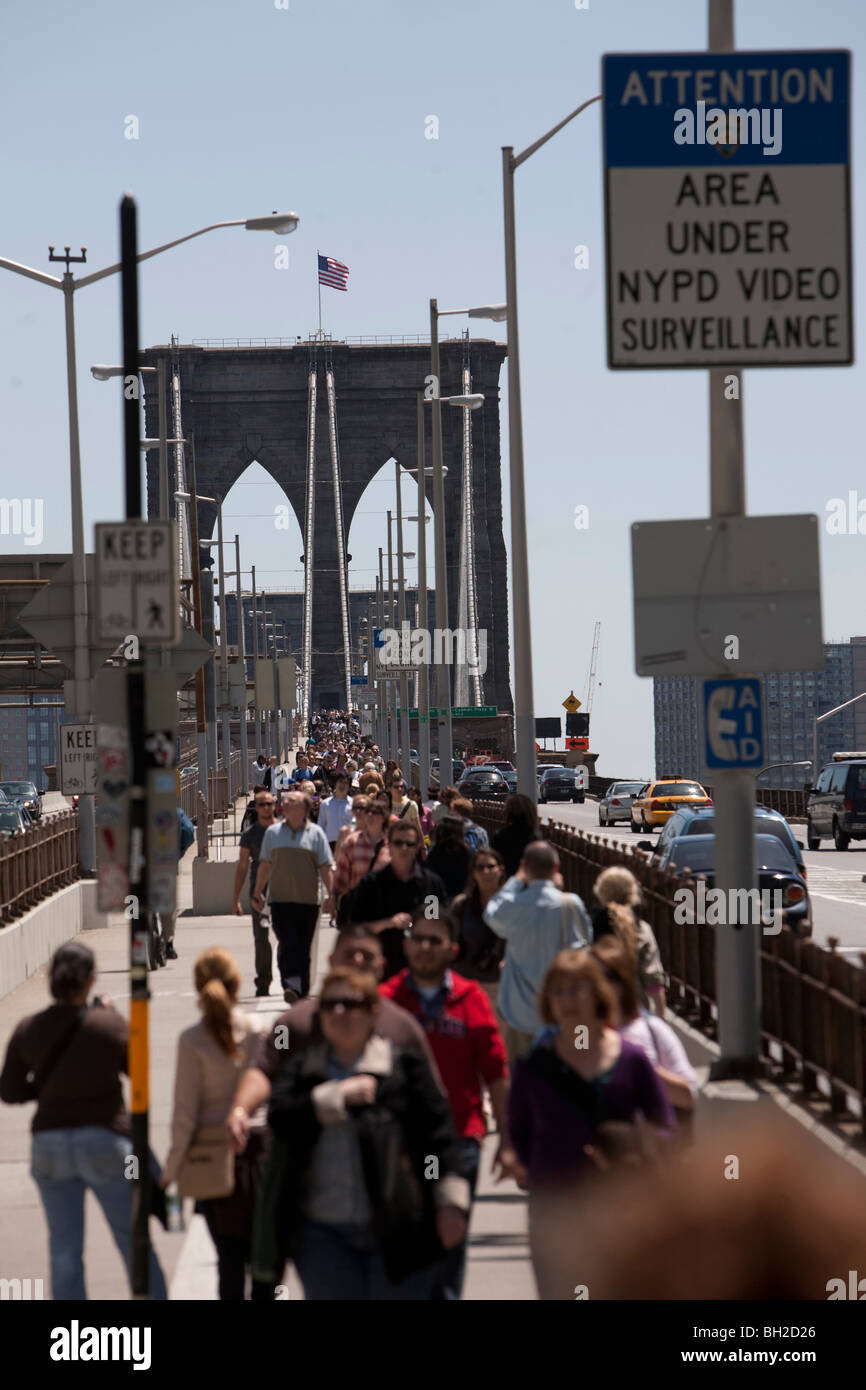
[726, 594]
[49, 618]
[571, 703]
[78, 759]
[462, 712]
[727, 209]
[137, 589]
[733, 723]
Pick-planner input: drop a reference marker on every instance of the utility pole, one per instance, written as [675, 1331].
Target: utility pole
[242, 653]
[200, 705]
[224, 662]
[401, 618]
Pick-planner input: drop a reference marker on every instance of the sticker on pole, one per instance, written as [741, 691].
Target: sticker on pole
[728, 209]
[137, 581]
[733, 724]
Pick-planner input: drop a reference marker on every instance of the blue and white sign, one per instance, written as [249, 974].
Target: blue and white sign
[378, 639]
[727, 202]
[733, 724]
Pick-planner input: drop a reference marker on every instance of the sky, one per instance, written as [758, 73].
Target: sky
[321, 107]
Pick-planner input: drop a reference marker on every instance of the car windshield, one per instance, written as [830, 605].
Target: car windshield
[625, 789]
[9, 820]
[764, 826]
[678, 789]
[19, 788]
[565, 774]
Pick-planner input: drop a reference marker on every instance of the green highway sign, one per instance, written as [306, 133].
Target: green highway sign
[463, 712]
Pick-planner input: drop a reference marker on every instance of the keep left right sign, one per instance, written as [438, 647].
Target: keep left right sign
[727, 208]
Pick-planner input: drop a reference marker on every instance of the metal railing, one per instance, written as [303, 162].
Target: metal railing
[36, 862]
[813, 1001]
[373, 339]
[217, 786]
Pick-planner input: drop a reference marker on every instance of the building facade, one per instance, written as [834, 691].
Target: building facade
[792, 701]
[28, 736]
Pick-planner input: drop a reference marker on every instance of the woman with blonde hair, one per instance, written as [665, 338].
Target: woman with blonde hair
[210, 1057]
[618, 893]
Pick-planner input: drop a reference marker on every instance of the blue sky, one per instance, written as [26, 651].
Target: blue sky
[242, 108]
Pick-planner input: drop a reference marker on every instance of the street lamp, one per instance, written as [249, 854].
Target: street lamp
[471, 402]
[524, 714]
[820, 720]
[276, 222]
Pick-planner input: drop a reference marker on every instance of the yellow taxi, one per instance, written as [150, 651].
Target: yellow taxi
[657, 801]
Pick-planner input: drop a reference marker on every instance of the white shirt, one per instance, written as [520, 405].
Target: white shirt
[662, 1046]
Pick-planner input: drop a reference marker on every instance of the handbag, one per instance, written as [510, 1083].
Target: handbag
[208, 1169]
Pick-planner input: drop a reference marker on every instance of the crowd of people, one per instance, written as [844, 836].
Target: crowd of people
[467, 993]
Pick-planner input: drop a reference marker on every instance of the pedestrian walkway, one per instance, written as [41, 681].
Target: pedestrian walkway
[498, 1266]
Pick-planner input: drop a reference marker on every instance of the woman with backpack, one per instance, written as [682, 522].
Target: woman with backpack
[521, 826]
[401, 805]
[481, 950]
[474, 835]
[210, 1057]
[69, 1058]
[450, 856]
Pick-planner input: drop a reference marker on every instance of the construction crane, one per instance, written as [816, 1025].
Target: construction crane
[590, 685]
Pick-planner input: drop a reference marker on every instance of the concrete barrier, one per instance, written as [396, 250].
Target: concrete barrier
[213, 887]
[30, 942]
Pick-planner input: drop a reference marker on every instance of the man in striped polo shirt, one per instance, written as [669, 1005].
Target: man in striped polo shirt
[295, 854]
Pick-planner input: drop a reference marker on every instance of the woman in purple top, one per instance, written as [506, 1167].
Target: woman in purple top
[584, 1076]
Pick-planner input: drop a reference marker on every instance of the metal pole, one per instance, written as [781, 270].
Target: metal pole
[139, 1058]
[393, 738]
[226, 719]
[424, 671]
[257, 721]
[401, 615]
[200, 704]
[164, 513]
[382, 731]
[524, 715]
[738, 943]
[443, 681]
[81, 635]
[242, 652]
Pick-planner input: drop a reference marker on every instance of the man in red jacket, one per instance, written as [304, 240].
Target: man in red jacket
[461, 1029]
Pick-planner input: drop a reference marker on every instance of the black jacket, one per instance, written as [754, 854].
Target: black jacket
[511, 841]
[382, 894]
[407, 1127]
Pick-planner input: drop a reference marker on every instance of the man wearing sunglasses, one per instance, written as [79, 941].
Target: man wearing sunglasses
[386, 897]
[250, 849]
[460, 1025]
[357, 946]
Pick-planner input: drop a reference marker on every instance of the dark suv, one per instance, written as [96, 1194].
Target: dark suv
[836, 807]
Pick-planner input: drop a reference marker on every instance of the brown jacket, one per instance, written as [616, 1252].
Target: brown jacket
[83, 1086]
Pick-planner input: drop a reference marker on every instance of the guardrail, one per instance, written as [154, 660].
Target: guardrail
[36, 862]
[217, 786]
[813, 1001]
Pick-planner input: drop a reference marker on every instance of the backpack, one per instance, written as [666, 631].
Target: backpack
[472, 838]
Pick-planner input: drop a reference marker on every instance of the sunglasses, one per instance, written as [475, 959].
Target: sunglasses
[328, 1005]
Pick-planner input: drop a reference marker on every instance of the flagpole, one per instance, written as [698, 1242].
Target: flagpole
[320, 293]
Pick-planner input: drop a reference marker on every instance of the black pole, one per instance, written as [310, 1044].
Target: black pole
[139, 1061]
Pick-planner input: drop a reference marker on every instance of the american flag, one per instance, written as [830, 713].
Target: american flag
[333, 273]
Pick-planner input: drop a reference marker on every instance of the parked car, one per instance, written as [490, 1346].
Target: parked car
[559, 784]
[458, 767]
[657, 801]
[616, 803]
[511, 779]
[500, 765]
[701, 821]
[836, 805]
[775, 866]
[11, 819]
[483, 784]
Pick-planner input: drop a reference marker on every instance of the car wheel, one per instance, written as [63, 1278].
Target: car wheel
[840, 839]
[647, 829]
[635, 829]
[812, 840]
[601, 820]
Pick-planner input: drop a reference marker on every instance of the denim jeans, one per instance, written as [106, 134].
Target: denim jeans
[345, 1262]
[64, 1163]
[450, 1273]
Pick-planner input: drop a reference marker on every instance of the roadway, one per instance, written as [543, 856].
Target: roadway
[836, 881]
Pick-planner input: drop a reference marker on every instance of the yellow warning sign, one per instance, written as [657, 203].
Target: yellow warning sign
[572, 704]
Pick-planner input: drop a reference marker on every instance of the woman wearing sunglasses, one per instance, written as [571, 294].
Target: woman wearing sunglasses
[401, 805]
[362, 850]
[360, 1122]
[481, 950]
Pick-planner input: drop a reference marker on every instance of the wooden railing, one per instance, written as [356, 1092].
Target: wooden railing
[813, 1001]
[37, 861]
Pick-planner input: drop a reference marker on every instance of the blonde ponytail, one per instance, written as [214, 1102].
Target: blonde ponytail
[217, 979]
